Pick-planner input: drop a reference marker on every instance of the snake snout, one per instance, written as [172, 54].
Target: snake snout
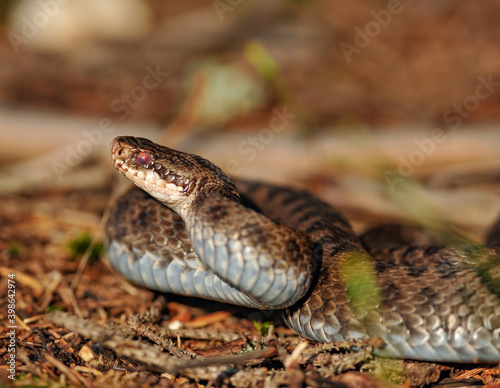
[118, 152]
[122, 152]
[116, 146]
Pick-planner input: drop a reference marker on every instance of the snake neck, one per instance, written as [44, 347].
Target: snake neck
[200, 204]
[273, 264]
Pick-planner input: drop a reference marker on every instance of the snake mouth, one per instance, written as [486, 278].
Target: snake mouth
[149, 170]
[124, 156]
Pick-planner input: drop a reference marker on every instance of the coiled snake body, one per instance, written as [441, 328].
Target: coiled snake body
[189, 231]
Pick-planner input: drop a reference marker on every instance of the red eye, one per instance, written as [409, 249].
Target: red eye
[143, 158]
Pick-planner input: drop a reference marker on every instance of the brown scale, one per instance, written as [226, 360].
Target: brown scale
[418, 289]
[165, 229]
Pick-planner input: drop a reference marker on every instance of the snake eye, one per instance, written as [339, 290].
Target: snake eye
[143, 158]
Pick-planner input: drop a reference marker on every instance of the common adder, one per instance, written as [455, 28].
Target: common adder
[192, 231]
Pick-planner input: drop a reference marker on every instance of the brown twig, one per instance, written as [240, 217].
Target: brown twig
[266, 352]
[72, 375]
[98, 236]
[120, 345]
[166, 343]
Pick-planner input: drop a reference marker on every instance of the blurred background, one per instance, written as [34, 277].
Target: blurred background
[353, 101]
[388, 110]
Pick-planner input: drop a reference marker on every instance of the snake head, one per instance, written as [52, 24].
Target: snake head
[172, 177]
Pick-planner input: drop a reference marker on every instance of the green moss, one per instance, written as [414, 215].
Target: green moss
[263, 327]
[81, 244]
[51, 308]
[14, 249]
[485, 262]
[360, 280]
